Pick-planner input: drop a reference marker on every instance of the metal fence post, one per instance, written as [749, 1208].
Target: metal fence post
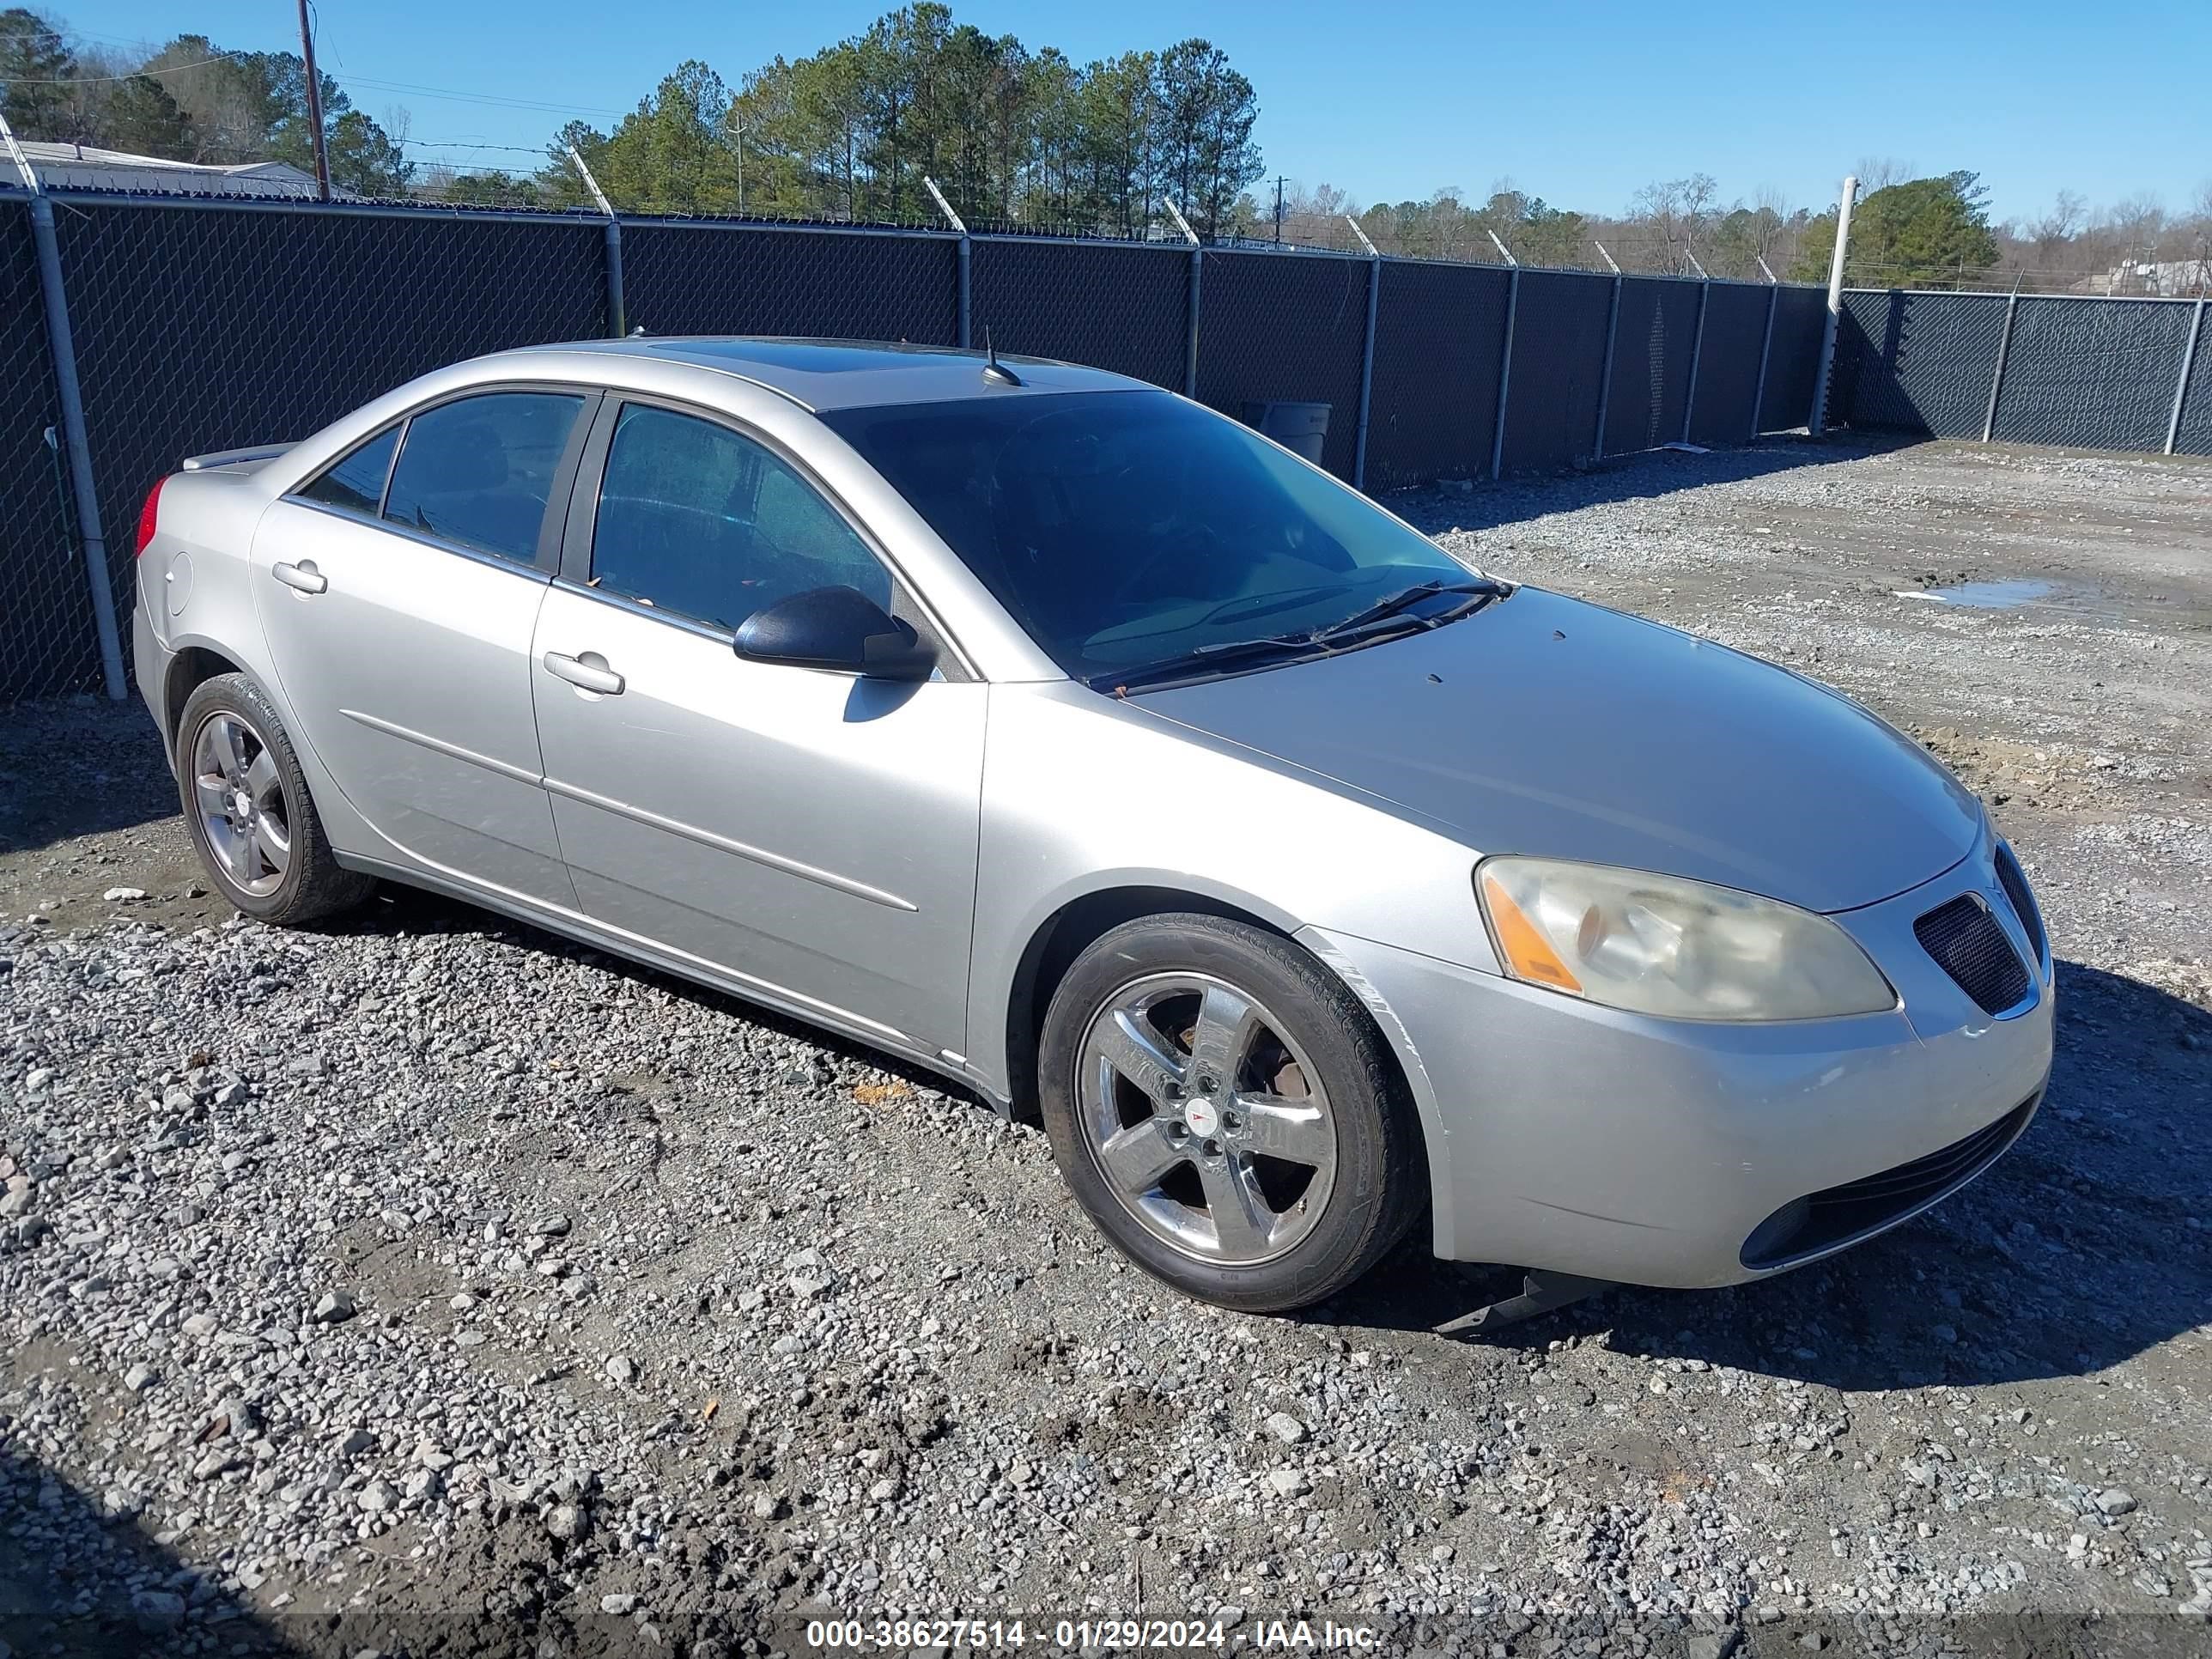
[1367, 352]
[617, 313]
[967, 262]
[2188, 362]
[1765, 349]
[1816, 420]
[1605, 370]
[1697, 352]
[1504, 374]
[75, 437]
[2004, 350]
[1190, 331]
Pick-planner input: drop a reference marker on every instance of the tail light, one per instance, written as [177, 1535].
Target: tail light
[149, 517]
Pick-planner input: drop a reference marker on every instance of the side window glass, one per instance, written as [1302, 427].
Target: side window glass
[478, 472]
[696, 520]
[356, 483]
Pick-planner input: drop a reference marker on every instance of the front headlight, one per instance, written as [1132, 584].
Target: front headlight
[1660, 944]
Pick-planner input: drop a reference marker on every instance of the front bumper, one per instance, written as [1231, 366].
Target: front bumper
[1576, 1138]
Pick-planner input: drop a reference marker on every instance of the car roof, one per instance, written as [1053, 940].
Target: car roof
[827, 375]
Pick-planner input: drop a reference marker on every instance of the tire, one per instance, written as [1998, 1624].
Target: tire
[1279, 1184]
[249, 812]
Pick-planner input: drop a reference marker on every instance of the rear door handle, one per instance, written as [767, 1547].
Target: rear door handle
[589, 671]
[303, 576]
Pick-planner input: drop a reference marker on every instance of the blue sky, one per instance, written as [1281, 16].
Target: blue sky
[1578, 104]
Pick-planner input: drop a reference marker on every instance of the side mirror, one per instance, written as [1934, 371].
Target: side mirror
[835, 627]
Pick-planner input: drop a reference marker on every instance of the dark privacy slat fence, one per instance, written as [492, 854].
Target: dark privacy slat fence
[1557, 314]
[746, 279]
[1729, 356]
[1112, 306]
[198, 330]
[1439, 334]
[201, 326]
[2034, 369]
[46, 638]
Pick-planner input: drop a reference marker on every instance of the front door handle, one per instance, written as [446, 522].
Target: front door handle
[589, 671]
[303, 576]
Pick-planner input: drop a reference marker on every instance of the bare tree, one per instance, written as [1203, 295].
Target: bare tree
[1880, 172]
[1672, 218]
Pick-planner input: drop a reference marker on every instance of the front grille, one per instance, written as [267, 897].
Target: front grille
[2014, 879]
[1821, 1221]
[1969, 945]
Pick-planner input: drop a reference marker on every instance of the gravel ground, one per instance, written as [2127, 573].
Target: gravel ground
[429, 1286]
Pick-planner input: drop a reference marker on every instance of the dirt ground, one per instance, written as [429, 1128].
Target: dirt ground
[819, 1338]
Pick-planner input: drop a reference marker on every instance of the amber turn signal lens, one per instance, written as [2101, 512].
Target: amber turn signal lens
[1524, 948]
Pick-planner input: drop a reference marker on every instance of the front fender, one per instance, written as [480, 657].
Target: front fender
[1083, 794]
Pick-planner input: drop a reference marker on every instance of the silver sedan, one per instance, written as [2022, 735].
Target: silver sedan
[1054, 733]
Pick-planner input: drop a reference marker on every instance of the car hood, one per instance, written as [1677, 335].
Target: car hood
[1544, 724]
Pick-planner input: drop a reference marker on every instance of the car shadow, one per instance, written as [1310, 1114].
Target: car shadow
[80, 1577]
[399, 908]
[1645, 476]
[2088, 1243]
[79, 765]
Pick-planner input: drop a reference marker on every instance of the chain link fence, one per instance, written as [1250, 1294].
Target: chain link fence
[703, 278]
[203, 324]
[1439, 339]
[1560, 344]
[2088, 372]
[1289, 326]
[1123, 306]
[48, 643]
[1734, 344]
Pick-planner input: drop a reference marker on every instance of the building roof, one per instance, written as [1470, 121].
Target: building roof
[81, 167]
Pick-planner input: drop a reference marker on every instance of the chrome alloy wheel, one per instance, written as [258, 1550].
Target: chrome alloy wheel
[240, 795]
[1208, 1122]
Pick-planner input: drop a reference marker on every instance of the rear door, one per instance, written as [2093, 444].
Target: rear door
[812, 833]
[398, 590]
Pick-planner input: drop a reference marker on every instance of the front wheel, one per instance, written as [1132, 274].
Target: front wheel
[1227, 1112]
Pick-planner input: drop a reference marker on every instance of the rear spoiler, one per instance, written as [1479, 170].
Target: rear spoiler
[234, 456]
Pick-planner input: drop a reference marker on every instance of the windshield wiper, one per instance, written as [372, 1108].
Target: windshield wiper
[1208, 659]
[1391, 604]
[1358, 628]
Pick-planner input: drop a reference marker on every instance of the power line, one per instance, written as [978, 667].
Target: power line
[490, 101]
[93, 80]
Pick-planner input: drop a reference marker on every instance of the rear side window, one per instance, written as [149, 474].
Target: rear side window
[478, 472]
[356, 483]
[699, 520]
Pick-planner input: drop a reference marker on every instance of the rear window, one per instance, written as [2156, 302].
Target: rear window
[478, 472]
[356, 483]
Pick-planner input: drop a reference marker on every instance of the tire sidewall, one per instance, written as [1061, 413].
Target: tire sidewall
[1337, 1038]
[236, 695]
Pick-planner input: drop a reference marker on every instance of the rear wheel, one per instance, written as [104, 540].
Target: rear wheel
[1227, 1112]
[246, 804]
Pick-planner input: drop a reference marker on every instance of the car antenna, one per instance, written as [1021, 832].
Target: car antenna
[992, 368]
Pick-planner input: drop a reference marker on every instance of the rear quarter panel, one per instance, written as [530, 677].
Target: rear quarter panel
[196, 589]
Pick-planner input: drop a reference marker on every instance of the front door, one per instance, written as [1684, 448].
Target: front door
[811, 834]
[399, 590]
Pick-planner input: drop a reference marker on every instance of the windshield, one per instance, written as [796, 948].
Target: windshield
[1123, 529]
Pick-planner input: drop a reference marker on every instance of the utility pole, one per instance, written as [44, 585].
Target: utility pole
[315, 107]
[1279, 209]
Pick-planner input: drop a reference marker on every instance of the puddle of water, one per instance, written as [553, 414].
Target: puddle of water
[1986, 596]
[2074, 603]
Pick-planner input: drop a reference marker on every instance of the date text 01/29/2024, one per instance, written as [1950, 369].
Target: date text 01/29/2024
[1163, 1635]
